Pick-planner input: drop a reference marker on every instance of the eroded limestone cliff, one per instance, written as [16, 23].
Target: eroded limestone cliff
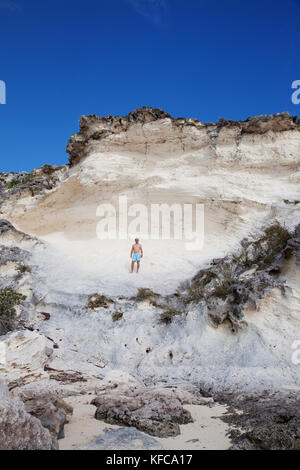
[224, 318]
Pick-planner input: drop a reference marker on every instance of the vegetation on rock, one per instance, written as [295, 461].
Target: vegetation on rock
[23, 180]
[230, 283]
[98, 301]
[116, 316]
[22, 268]
[9, 299]
[146, 294]
[168, 315]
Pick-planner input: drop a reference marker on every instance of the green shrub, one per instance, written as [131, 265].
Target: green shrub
[8, 301]
[16, 181]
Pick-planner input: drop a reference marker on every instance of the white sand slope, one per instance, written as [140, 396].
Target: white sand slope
[237, 202]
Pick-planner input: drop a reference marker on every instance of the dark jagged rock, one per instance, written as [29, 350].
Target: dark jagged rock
[158, 411]
[260, 124]
[50, 411]
[43, 401]
[266, 421]
[48, 169]
[154, 414]
[5, 226]
[18, 429]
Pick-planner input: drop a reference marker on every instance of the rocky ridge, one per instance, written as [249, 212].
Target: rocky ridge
[115, 130]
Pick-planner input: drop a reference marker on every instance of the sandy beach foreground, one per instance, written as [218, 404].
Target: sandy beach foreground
[207, 431]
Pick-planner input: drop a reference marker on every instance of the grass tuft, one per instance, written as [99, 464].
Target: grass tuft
[16, 181]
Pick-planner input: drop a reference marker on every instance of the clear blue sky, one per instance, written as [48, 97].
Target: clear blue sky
[204, 59]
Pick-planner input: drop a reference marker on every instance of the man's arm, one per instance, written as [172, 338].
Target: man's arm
[141, 250]
[131, 251]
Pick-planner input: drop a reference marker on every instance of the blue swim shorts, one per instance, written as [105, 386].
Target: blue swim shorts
[136, 257]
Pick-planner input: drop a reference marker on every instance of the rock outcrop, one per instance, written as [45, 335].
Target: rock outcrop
[18, 429]
[23, 186]
[148, 128]
[10, 236]
[265, 422]
[43, 400]
[229, 285]
[25, 355]
[158, 411]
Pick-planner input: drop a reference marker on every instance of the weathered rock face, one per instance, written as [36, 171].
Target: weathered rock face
[10, 236]
[43, 399]
[26, 353]
[294, 244]
[149, 130]
[18, 429]
[158, 411]
[265, 422]
[96, 128]
[18, 187]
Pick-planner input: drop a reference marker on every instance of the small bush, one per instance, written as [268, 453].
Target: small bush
[221, 290]
[271, 244]
[98, 301]
[22, 268]
[146, 294]
[277, 235]
[168, 315]
[13, 183]
[8, 301]
[208, 278]
[116, 316]
[16, 181]
[287, 201]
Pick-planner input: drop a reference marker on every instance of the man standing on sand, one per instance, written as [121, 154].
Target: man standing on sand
[136, 254]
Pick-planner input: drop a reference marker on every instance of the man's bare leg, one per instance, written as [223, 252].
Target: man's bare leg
[137, 266]
[132, 266]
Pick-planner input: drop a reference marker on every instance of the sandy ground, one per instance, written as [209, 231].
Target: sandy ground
[207, 432]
